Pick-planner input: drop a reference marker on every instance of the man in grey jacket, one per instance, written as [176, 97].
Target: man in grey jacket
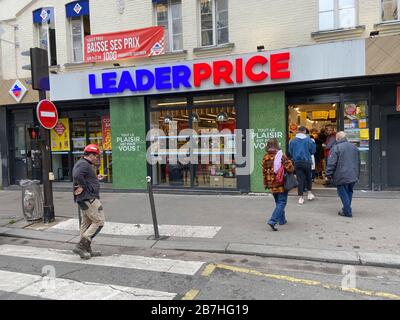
[344, 169]
[86, 194]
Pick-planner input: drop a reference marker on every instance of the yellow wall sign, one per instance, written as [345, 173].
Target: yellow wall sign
[320, 115]
[60, 136]
[303, 116]
[332, 114]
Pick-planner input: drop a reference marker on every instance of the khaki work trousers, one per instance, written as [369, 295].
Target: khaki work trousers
[91, 220]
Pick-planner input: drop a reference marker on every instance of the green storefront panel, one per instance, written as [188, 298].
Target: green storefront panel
[129, 142]
[267, 119]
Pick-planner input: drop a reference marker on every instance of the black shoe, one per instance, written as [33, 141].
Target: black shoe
[340, 213]
[81, 249]
[272, 227]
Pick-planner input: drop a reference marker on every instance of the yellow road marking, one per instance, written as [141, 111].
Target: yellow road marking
[208, 270]
[211, 267]
[191, 294]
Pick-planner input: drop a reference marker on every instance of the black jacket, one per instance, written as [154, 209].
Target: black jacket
[85, 176]
[344, 163]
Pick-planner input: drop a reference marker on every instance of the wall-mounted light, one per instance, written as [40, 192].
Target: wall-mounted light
[167, 119]
[260, 47]
[373, 34]
[195, 117]
[222, 117]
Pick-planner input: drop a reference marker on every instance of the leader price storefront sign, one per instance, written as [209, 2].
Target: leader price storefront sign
[124, 45]
[307, 63]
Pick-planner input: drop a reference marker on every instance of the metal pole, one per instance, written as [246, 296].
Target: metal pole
[153, 208]
[48, 207]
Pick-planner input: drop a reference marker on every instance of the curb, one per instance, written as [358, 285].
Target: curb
[307, 254]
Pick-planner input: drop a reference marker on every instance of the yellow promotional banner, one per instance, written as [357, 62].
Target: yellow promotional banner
[106, 129]
[303, 115]
[332, 114]
[60, 136]
[364, 134]
[320, 115]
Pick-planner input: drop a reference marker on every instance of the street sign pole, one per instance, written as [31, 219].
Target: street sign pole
[48, 206]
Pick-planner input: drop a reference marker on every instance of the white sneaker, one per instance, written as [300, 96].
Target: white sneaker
[301, 200]
[310, 196]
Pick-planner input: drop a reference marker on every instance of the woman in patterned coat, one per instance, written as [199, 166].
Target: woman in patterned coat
[272, 161]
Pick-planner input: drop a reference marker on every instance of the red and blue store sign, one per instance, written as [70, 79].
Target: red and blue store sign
[225, 73]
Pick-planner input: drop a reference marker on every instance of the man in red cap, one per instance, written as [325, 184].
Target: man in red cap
[87, 195]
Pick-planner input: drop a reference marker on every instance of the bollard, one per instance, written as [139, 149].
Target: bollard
[153, 208]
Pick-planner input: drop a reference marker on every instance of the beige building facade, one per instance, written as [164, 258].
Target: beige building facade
[341, 55]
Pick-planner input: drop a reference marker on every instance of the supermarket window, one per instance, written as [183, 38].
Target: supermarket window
[43, 20]
[337, 14]
[79, 23]
[214, 25]
[356, 126]
[390, 10]
[169, 16]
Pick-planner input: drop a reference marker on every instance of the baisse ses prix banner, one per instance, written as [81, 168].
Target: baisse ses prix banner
[124, 45]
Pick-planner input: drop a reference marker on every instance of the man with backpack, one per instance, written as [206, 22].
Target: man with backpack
[301, 149]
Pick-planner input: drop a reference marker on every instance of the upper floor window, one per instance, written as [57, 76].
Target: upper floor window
[43, 20]
[337, 14]
[214, 22]
[169, 15]
[390, 10]
[79, 23]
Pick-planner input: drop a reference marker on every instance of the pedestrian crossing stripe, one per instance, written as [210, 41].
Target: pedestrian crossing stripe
[130, 229]
[66, 289]
[116, 260]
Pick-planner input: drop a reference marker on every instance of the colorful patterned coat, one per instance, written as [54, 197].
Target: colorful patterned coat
[269, 174]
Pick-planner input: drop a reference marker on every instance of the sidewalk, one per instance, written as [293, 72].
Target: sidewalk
[314, 230]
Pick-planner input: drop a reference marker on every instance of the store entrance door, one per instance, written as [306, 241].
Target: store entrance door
[321, 122]
[393, 151]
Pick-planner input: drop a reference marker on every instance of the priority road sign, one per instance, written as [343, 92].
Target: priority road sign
[47, 114]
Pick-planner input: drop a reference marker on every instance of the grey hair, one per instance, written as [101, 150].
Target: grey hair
[340, 135]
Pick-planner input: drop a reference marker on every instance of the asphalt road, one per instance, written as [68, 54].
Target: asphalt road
[179, 275]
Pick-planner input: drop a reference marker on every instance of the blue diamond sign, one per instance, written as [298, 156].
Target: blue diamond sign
[77, 8]
[17, 91]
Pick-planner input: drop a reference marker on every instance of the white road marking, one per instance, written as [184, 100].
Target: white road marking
[116, 260]
[129, 229]
[64, 289]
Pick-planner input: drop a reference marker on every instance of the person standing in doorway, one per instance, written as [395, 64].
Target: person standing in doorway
[272, 162]
[301, 149]
[330, 141]
[87, 195]
[344, 170]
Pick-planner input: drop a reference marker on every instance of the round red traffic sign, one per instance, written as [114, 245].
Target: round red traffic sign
[47, 114]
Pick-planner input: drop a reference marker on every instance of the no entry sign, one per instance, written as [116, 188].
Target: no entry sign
[47, 114]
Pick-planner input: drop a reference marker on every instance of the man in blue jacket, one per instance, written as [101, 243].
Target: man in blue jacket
[344, 169]
[301, 148]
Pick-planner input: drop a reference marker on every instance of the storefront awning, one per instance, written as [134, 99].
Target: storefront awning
[42, 15]
[77, 8]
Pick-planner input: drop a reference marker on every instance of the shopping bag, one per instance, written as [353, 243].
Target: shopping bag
[290, 182]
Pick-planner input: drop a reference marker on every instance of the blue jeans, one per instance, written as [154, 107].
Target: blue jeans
[278, 216]
[345, 193]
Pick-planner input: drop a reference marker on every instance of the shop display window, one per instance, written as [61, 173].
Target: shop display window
[69, 138]
[208, 144]
[356, 126]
